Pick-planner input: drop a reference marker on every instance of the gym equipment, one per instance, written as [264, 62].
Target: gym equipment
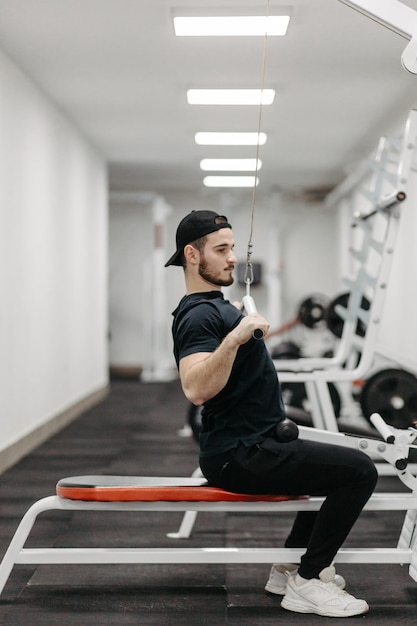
[371, 251]
[397, 454]
[250, 307]
[248, 302]
[396, 16]
[295, 395]
[335, 322]
[312, 310]
[135, 494]
[310, 313]
[393, 394]
[286, 350]
[286, 431]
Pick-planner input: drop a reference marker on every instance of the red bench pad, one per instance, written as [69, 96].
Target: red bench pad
[153, 489]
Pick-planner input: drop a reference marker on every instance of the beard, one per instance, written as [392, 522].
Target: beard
[211, 278]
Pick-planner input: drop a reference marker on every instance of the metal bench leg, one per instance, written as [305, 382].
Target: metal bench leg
[189, 518]
[186, 527]
[22, 533]
[408, 539]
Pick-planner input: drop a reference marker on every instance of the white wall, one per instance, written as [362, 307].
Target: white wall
[53, 260]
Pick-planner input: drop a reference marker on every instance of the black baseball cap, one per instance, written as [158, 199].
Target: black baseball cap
[193, 226]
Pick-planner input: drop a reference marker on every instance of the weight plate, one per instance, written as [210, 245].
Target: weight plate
[312, 311]
[286, 350]
[335, 323]
[393, 394]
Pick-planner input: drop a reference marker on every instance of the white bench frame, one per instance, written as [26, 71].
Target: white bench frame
[404, 553]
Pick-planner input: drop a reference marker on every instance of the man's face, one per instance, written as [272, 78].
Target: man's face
[217, 259]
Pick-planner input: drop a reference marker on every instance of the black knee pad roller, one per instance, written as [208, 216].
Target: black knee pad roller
[286, 430]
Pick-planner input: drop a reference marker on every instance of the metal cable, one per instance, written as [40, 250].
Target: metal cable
[249, 268]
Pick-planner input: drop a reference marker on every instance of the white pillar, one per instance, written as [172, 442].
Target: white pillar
[158, 364]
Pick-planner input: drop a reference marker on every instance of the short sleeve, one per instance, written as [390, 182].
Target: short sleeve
[201, 329]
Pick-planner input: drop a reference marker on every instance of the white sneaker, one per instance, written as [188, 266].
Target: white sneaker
[278, 579]
[322, 597]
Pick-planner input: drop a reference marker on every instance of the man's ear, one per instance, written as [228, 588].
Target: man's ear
[191, 254]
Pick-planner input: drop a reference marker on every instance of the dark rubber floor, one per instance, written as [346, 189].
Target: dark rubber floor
[135, 431]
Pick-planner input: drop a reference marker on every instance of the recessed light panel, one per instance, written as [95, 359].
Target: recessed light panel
[230, 165]
[231, 26]
[230, 139]
[231, 96]
[230, 181]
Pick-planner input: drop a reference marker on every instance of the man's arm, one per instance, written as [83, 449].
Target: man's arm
[204, 374]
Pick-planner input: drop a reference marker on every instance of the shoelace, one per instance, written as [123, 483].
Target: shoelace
[332, 585]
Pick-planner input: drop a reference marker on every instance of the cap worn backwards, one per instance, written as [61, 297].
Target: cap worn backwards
[193, 226]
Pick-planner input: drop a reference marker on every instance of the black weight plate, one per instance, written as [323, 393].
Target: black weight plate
[294, 394]
[335, 323]
[393, 394]
[312, 311]
[286, 350]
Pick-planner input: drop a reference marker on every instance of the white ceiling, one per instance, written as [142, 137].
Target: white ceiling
[117, 70]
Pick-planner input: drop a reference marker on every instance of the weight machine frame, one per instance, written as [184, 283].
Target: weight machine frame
[378, 230]
[397, 17]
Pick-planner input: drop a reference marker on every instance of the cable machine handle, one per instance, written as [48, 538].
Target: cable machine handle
[250, 307]
[382, 427]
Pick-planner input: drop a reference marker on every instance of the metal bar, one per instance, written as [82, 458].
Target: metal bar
[397, 17]
[60, 556]
[390, 13]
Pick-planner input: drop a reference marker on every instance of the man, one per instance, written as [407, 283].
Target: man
[222, 366]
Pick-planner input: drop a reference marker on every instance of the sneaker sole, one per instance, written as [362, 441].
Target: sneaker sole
[298, 608]
[277, 591]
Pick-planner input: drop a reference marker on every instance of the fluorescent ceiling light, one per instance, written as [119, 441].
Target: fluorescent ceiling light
[230, 181]
[230, 139]
[230, 96]
[230, 165]
[233, 26]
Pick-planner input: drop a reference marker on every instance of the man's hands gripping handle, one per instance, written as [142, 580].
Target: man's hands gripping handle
[250, 307]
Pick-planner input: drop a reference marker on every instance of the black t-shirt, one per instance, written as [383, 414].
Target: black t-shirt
[250, 404]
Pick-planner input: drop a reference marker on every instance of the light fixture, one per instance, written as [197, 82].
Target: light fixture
[230, 96]
[231, 26]
[230, 138]
[230, 165]
[230, 181]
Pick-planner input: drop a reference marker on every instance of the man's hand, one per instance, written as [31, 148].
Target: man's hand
[245, 329]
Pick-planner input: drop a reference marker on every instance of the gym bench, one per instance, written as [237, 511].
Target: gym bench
[192, 495]
[136, 494]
